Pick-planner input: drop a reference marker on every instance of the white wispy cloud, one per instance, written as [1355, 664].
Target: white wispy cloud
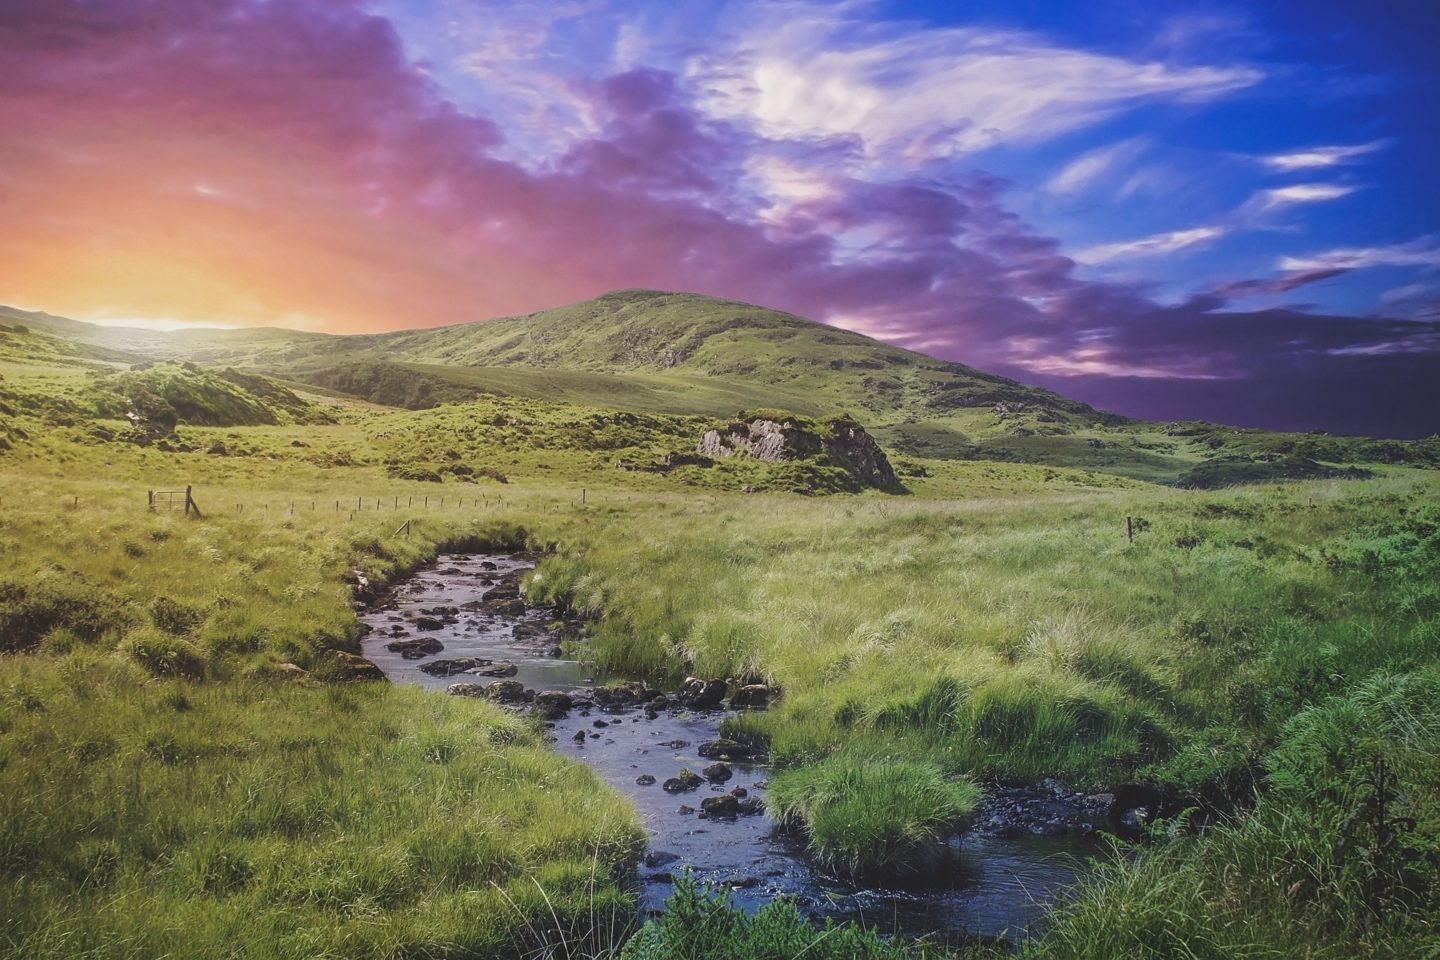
[1422, 252]
[911, 94]
[1318, 157]
[1278, 198]
[1085, 170]
[1155, 245]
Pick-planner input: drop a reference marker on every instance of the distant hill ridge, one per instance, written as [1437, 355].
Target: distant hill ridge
[815, 368]
[649, 351]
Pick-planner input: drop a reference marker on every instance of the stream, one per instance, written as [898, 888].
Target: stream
[1006, 874]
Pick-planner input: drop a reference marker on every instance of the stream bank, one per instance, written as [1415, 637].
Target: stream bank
[463, 627]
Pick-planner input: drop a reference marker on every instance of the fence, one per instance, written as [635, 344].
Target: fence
[168, 500]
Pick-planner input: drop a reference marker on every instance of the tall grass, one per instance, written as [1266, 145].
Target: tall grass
[869, 817]
[1013, 639]
[165, 792]
[167, 818]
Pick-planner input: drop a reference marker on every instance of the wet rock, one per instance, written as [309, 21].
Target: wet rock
[506, 691]
[645, 780]
[718, 772]
[620, 695]
[659, 858]
[504, 590]
[466, 690]
[700, 694]
[600, 724]
[505, 608]
[448, 668]
[579, 736]
[686, 810]
[428, 623]
[415, 649]
[675, 745]
[684, 783]
[529, 631]
[740, 792]
[723, 807]
[750, 695]
[450, 572]
[489, 565]
[443, 612]
[750, 807]
[349, 667]
[740, 883]
[556, 699]
[664, 876]
[502, 669]
[723, 749]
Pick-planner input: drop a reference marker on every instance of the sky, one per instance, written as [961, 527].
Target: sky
[1171, 210]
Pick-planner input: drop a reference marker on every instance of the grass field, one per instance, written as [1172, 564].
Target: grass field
[169, 786]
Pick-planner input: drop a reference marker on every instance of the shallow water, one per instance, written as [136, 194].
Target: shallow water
[1002, 888]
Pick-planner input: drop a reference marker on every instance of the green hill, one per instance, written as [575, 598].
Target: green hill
[647, 351]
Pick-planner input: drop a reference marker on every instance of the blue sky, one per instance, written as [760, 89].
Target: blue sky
[1171, 210]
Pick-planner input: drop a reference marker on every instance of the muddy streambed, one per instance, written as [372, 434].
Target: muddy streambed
[1008, 868]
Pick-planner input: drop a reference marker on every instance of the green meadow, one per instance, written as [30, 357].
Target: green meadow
[188, 769]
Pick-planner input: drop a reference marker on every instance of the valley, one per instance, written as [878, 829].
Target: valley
[197, 751]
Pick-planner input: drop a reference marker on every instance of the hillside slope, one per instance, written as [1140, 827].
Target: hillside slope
[648, 351]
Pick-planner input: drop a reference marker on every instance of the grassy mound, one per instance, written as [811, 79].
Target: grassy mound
[701, 925]
[1235, 470]
[867, 817]
[169, 394]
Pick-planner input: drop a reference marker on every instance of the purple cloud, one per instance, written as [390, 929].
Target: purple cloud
[284, 162]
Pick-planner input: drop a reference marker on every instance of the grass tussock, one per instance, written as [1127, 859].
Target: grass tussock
[871, 817]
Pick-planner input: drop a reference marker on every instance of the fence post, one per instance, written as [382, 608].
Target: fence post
[582, 496]
[1129, 530]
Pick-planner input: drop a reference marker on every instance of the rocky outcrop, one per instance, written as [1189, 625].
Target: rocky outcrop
[840, 442]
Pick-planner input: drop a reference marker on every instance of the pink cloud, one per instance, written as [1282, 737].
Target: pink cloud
[282, 162]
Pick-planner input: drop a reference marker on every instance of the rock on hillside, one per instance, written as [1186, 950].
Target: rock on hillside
[839, 442]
